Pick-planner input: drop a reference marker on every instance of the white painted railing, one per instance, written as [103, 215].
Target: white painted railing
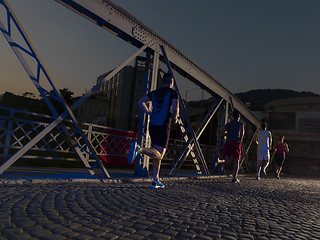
[18, 127]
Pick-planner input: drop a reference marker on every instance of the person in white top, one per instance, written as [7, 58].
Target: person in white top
[264, 141]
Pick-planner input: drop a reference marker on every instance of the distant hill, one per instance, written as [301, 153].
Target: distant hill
[258, 98]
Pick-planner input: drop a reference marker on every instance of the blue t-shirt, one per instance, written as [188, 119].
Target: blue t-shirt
[234, 129]
[161, 105]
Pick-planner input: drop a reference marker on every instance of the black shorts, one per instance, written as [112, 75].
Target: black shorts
[159, 135]
[279, 159]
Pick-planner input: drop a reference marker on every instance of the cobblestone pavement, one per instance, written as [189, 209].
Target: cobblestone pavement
[197, 208]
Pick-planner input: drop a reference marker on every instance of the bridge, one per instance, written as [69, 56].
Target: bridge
[158, 51]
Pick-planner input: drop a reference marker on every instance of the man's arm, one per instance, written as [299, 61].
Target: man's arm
[143, 104]
[175, 109]
[287, 147]
[270, 141]
[256, 138]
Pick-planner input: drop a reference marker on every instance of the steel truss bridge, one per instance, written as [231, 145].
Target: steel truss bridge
[157, 50]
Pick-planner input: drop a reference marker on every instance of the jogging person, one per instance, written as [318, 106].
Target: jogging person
[280, 155]
[234, 131]
[165, 106]
[264, 141]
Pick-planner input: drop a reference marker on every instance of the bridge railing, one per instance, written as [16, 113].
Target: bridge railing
[18, 127]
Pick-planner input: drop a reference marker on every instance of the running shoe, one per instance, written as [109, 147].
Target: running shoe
[134, 152]
[258, 177]
[235, 180]
[157, 184]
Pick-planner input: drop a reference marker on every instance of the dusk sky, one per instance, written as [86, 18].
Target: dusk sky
[245, 45]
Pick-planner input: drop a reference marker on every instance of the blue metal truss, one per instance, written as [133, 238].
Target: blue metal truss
[74, 136]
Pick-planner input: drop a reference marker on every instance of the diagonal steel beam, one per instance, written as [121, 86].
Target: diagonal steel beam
[199, 132]
[184, 111]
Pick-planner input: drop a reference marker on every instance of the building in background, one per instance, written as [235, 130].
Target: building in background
[93, 110]
[122, 94]
[298, 119]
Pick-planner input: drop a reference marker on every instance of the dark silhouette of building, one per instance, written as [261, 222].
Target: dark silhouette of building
[122, 93]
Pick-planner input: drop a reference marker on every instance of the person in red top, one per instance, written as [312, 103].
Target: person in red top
[231, 150]
[281, 148]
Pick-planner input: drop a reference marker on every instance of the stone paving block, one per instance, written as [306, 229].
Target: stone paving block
[229, 233]
[119, 232]
[178, 228]
[59, 229]
[126, 223]
[245, 236]
[176, 220]
[198, 230]
[262, 238]
[186, 235]
[129, 230]
[72, 225]
[125, 238]
[97, 233]
[23, 222]
[156, 228]
[159, 236]
[203, 237]
[170, 232]
[143, 233]
[140, 226]
[213, 235]
[37, 231]
[70, 234]
[229, 237]
[261, 231]
[83, 229]
[223, 225]
[22, 236]
[11, 231]
[54, 237]
[5, 223]
[134, 237]
[87, 237]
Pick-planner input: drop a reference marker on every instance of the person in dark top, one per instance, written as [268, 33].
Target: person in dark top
[165, 106]
[231, 151]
